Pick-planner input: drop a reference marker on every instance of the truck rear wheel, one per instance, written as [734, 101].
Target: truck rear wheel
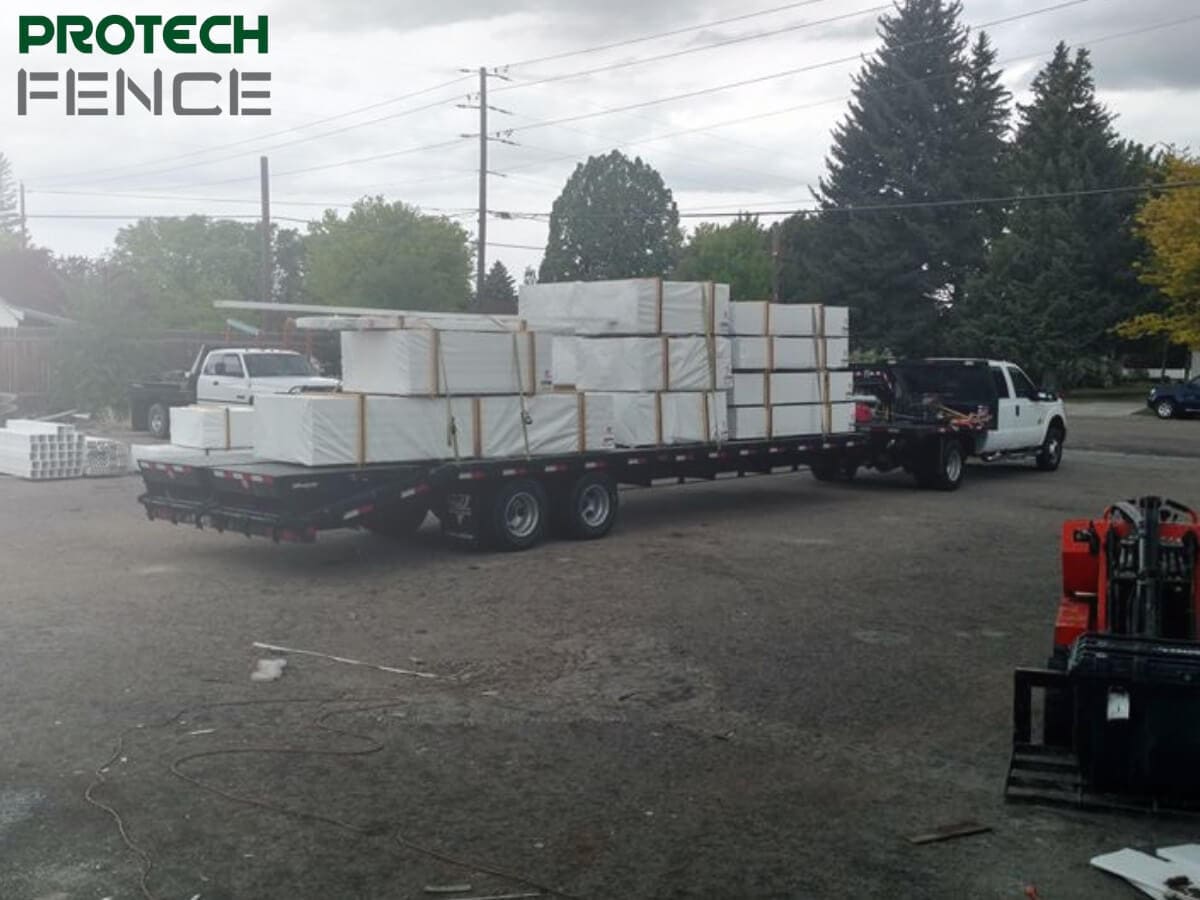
[589, 509]
[516, 515]
[158, 420]
[401, 522]
[944, 468]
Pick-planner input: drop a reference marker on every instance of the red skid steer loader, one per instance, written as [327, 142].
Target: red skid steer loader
[1121, 692]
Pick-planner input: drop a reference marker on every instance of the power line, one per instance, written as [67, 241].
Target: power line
[70, 177]
[1090, 42]
[300, 140]
[796, 26]
[902, 205]
[775, 75]
[275, 200]
[344, 162]
[657, 36]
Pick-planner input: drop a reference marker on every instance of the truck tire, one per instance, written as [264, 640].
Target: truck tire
[158, 420]
[1165, 409]
[1050, 456]
[516, 515]
[400, 522]
[944, 468]
[833, 468]
[588, 510]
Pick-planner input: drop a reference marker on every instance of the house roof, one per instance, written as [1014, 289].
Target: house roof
[33, 316]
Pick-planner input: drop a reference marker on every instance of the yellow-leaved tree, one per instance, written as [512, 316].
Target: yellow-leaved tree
[1169, 222]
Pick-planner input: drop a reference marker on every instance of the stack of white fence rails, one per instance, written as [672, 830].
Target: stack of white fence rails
[171, 454]
[424, 387]
[105, 458]
[791, 372]
[658, 351]
[40, 451]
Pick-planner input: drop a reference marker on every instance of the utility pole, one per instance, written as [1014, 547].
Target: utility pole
[481, 235]
[264, 175]
[775, 262]
[24, 227]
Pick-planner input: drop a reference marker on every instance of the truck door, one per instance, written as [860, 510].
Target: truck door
[223, 380]
[1006, 435]
[1030, 410]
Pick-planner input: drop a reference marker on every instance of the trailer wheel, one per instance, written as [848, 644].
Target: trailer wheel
[516, 515]
[158, 420]
[401, 522]
[944, 469]
[588, 510]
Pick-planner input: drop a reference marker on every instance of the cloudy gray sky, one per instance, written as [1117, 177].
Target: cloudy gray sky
[759, 146]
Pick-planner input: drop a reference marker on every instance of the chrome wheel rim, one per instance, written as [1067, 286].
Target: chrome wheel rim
[156, 422]
[953, 466]
[521, 515]
[594, 505]
[1164, 410]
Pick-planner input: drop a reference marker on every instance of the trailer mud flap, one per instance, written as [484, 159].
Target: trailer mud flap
[459, 513]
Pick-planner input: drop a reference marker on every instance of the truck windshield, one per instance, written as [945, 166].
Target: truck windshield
[268, 365]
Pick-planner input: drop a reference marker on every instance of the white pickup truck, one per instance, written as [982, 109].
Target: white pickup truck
[929, 416]
[230, 375]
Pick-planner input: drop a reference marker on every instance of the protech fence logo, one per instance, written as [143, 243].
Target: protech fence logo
[101, 92]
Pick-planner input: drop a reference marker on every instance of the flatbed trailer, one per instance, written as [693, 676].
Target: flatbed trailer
[507, 504]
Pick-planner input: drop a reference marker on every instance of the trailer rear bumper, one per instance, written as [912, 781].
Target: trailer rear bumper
[239, 521]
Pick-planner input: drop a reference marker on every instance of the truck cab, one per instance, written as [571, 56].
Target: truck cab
[237, 376]
[224, 375]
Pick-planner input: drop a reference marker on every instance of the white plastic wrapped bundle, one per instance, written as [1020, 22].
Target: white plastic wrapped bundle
[653, 364]
[651, 419]
[797, 420]
[639, 306]
[204, 427]
[798, 319]
[345, 429]
[105, 458]
[424, 362]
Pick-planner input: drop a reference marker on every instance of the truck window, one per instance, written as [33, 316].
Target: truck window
[1021, 384]
[268, 365]
[1001, 383]
[230, 363]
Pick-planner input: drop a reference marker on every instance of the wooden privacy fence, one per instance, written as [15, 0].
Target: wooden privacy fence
[28, 356]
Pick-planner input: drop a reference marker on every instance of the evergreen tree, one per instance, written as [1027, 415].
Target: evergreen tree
[614, 219]
[499, 293]
[925, 125]
[10, 219]
[1063, 273]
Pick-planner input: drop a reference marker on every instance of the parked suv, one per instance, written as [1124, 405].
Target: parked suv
[1171, 400]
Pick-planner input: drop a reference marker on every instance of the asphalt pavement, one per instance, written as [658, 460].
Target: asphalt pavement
[752, 688]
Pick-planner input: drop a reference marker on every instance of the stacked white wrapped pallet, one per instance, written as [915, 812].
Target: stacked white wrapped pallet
[204, 427]
[657, 351]
[417, 392]
[359, 429]
[40, 451]
[790, 371]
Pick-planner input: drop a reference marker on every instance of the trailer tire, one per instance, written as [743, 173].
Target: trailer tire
[158, 420]
[944, 469]
[588, 509]
[398, 523]
[516, 515]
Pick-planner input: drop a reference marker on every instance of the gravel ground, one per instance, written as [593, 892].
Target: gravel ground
[750, 689]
